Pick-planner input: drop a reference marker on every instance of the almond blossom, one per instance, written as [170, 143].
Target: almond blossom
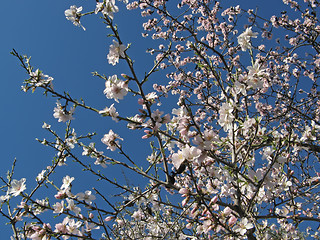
[116, 89]
[73, 14]
[17, 187]
[111, 141]
[86, 196]
[186, 154]
[67, 180]
[254, 76]
[110, 111]
[107, 8]
[116, 51]
[58, 207]
[62, 114]
[39, 79]
[243, 226]
[225, 116]
[244, 39]
[73, 207]
[239, 157]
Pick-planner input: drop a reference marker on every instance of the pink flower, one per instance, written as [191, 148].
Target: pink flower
[62, 227]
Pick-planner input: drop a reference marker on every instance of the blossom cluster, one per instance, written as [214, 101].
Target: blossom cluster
[240, 153]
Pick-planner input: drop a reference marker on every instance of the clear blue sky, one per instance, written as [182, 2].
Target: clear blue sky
[39, 29]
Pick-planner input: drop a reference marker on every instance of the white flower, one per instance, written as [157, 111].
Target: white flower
[99, 7]
[91, 226]
[247, 125]
[239, 88]
[110, 140]
[73, 207]
[73, 226]
[17, 187]
[73, 14]
[61, 114]
[135, 121]
[226, 117]
[181, 112]
[87, 197]
[87, 150]
[206, 141]
[187, 153]
[308, 134]
[62, 227]
[40, 176]
[71, 141]
[244, 39]
[151, 96]
[58, 207]
[190, 153]
[115, 51]
[38, 79]
[67, 180]
[138, 215]
[101, 161]
[254, 76]
[257, 70]
[111, 111]
[46, 126]
[177, 159]
[115, 88]
[243, 226]
[4, 198]
[107, 8]
[267, 152]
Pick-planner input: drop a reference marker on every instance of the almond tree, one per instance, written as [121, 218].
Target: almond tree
[237, 158]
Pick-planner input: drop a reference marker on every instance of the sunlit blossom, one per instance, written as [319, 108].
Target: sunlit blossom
[244, 39]
[116, 89]
[39, 79]
[110, 111]
[73, 14]
[58, 207]
[243, 226]
[73, 207]
[116, 51]
[107, 8]
[111, 141]
[17, 187]
[61, 114]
